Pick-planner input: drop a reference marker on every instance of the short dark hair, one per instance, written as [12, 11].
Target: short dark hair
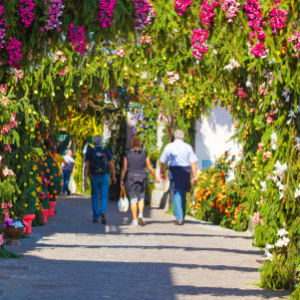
[58, 151]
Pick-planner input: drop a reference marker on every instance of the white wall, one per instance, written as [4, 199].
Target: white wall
[212, 137]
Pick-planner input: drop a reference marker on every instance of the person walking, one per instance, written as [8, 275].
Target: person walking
[182, 162]
[98, 163]
[134, 178]
[67, 170]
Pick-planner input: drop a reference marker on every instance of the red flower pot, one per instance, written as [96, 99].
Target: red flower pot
[51, 209]
[45, 214]
[28, 218]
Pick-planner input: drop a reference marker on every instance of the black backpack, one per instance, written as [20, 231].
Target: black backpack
[98, 164]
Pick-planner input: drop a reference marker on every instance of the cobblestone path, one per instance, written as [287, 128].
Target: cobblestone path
[73, 258]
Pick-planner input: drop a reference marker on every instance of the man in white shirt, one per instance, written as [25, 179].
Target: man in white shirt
[182, 162]
[67, 170]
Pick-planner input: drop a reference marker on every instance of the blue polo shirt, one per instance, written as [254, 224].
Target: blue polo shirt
[89, 154]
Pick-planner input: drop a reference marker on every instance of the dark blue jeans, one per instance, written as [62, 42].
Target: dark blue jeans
[67, 175]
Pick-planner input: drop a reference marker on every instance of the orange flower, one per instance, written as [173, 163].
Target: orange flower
[47, 170]
[51, 177]
[212, 204]
[44, 147]
[55, 192]
[52, 184]
[53, 164]
[55, 197]
[45, 164]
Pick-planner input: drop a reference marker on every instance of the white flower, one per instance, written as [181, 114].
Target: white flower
[268, 246]
[263, 185]
[59, 53]
[281, 194]
[249, 83]
[285, 241]
[291, 115]
[280, 169]
[286, 93]
[270, 256]
[233, 64]
[282, 232]
[268, 154]
[297, 193]
[215, 51]
[279, 243]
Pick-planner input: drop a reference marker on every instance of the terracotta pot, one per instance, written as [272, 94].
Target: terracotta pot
[45, 214]
[51, 209]
[28, 219]
[13, 234]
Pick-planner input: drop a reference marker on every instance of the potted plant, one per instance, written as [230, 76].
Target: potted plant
[13, 229]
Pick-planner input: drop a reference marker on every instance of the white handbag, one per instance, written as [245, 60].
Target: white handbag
[123, 203]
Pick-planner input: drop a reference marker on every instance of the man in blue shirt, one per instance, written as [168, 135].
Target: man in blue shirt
[182, 162]
[98, 163]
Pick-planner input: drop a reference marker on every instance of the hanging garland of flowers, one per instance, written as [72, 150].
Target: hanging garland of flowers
[106, 10]
[278, 17]
[3, 26]
[199, 37]
[144, 13]
[55, 12]
[26, 8]
[76, 35]
[15, 52]
[254, 14]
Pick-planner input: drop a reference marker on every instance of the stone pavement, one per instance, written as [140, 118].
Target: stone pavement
[73, 258]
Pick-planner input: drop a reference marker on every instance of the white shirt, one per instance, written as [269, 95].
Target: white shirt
[69, 159]
[178, 153]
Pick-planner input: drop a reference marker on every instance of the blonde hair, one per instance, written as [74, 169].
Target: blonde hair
[136, 141]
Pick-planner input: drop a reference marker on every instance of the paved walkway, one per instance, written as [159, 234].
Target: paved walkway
[73, 258]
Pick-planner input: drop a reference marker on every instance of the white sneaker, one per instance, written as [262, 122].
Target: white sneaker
[135, 223]
[141, 220]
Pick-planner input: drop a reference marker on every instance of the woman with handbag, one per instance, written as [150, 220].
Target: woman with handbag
[135, 182]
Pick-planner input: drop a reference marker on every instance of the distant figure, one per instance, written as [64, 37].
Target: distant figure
[59, 159]
[98, 162]
[67, 170]
[135, 181]
[182, 161]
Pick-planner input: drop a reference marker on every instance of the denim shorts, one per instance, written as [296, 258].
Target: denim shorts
[134, 198]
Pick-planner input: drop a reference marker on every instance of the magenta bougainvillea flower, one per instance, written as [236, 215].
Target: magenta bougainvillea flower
[144, 13]
[278, 17]
[15, 51]
[26, 11]
[256, 23]
[231, 7]
[77, 38]
[106, 10]
[182, 5]
[3, 26]
[199, 38]
[55, 11]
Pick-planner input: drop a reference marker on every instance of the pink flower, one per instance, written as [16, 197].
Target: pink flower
[252, 110]
[14, 50]
[1, 239]
[182, 5]
[241, 93]
[76, 35]
[4, 205]
[106, 10]
[120, 52]
[26, 8]
[10, 204]
[144, 13]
